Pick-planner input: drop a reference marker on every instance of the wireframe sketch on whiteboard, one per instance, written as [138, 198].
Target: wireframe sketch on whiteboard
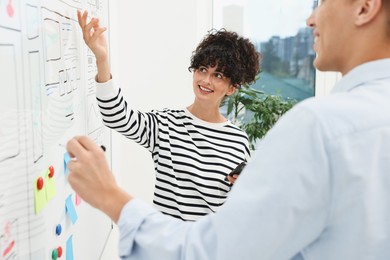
[9, 120]
[47, 97]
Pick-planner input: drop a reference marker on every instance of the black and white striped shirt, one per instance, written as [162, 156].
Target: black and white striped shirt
[191, 157]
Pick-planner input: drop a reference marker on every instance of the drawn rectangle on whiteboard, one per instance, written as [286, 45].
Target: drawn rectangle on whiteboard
[94, 121]
[52, 48]
[52, 40]
[8, 240]
[9, 15]
[9, 120]
[32, 21]
[36, 104]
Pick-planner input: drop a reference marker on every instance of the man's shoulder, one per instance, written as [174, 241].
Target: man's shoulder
[347, 112]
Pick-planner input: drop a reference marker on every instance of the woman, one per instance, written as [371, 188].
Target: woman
[194, 148]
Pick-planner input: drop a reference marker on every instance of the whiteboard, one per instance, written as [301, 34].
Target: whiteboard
[47, 97]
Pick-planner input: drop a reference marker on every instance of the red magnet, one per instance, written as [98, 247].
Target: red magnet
[51, 171]
[59, 250]
[40, 183]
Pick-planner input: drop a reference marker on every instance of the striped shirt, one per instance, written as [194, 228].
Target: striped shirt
[191, 157]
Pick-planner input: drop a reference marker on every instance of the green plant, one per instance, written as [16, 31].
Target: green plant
[256, 112]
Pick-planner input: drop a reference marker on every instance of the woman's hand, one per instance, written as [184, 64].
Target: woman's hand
[95, 40]
[232, 179]
[93, 35]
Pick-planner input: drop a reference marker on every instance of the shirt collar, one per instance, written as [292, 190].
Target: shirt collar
[363, 73]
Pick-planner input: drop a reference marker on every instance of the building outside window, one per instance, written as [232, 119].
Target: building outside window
[278, 30]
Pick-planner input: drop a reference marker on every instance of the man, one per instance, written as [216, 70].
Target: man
[319, 184]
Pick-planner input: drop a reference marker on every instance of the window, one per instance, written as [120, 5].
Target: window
[278, 29]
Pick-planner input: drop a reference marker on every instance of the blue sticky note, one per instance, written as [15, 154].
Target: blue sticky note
[66, 160]
[69, 249]
[70, 209]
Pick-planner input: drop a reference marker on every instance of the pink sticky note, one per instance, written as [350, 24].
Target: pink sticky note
[78, 199]
[10, 9]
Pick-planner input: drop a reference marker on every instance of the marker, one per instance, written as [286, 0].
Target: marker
[101, 146]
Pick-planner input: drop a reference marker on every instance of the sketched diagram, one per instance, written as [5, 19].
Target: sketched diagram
[94, 6]
[11, 62]
[62, 63]
[94, 121]
[34, 80]
[9, 14]
[8, 241]
[9, 104]
[62, 69]
[45, 100]
[36, 103]
[54, 77]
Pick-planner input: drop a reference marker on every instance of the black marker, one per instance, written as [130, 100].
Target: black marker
[101, 146]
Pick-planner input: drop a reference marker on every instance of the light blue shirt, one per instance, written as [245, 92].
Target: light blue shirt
[317, 188]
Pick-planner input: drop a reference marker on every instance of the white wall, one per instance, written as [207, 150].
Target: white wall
[325, 81]
[151, 45]
[155, 40]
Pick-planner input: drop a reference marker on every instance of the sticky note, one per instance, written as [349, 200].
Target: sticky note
[69, 249]
[78, 199]
[66, 160]
[50, 187]
[40, 200]
[70, 210]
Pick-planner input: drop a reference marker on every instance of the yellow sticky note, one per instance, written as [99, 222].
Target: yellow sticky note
[39, 197]
[50, 187]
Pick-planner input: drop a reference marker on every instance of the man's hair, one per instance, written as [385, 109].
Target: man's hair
[386, 6]
[236, 57]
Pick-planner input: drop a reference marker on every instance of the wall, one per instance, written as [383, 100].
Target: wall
[325, 82]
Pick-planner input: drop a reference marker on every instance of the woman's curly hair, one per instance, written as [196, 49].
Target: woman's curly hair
[236, 57]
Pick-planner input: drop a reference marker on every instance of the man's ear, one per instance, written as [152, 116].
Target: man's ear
[367, 10]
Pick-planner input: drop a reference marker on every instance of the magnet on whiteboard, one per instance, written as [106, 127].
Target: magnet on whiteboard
[59, 251]
[54, 254]
[40, 183]
[58, 229]
[51, 171]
